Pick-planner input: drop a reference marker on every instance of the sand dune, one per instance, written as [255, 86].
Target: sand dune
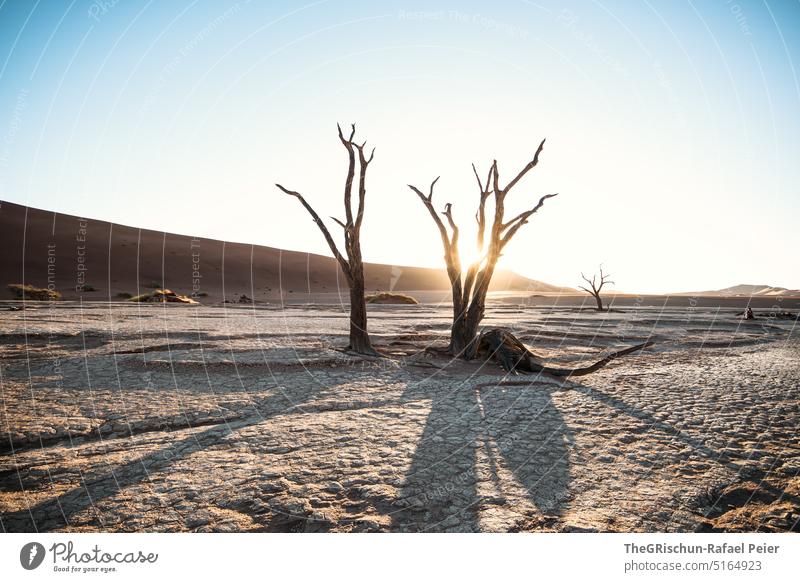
[97, 260]
[747, 290]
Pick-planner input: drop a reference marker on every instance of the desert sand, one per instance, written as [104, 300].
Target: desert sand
[94, 260]
[138, 417]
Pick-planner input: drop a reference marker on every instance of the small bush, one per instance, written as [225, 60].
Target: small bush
[201, 294]
[124, 295]
[162, 296]
[31, 293]
[391, 298]
[87, 288]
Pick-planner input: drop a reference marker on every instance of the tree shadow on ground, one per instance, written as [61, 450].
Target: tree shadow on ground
[737, 464]
[481, 448]
[97, 485]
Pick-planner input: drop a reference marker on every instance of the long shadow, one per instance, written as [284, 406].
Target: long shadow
[731, 462]
[483, 448]
[529, 436]
[97, 485]
[477, 449]
[440, 486]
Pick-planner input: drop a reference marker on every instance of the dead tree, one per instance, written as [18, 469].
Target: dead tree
[470, 288]
[595, 288]
[514, 356]
[353, 265]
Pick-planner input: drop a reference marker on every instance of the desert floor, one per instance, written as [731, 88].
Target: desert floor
[121, 417]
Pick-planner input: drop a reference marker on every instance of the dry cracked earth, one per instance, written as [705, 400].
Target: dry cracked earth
[123, 417]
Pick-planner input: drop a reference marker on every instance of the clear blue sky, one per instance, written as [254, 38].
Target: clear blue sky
[672, 127]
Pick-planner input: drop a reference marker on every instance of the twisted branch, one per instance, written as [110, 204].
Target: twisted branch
[328, 238]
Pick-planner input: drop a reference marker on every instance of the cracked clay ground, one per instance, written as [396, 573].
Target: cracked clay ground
[169, 418]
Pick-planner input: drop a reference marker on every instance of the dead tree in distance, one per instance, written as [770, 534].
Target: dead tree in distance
[595, 287]
[353, 265]
[470, 288]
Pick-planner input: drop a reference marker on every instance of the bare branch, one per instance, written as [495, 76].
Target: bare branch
[492, 168]
[528, 167]
[469, 280]
[484, 188]
[351, 171]
[480, 214]
[451, 255]
[478, 178]
[420, 194]
[499, 211]
[352, 133]
[604, 278]
[328, 238]
[448, 213]
[430, 194]
[527, 213]
[511, 227]
[500, 194]
[591, 283]
[362, 180]
[480, 217]
[427, 201]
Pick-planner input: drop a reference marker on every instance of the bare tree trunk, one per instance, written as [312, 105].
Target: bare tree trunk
[458, 342]
[359, 338]
[459, 337]
[599, 302]
[353, 265]
[475, 314]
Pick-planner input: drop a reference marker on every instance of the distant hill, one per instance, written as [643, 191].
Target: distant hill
[745, 290]
[41, 247]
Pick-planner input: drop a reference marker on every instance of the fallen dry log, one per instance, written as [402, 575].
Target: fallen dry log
[503, 347]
